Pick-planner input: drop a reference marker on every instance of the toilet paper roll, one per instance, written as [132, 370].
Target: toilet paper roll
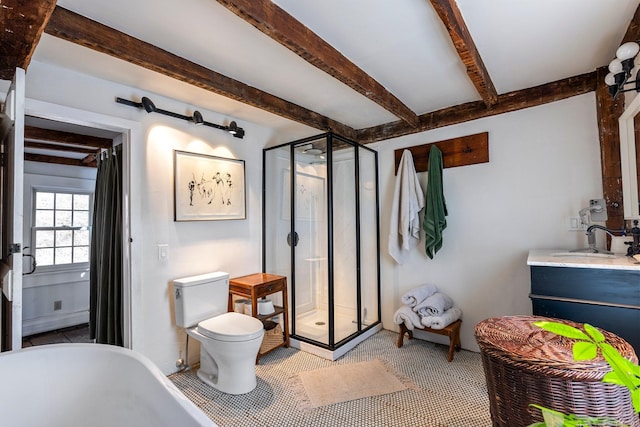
[238, 305]
[618, 246]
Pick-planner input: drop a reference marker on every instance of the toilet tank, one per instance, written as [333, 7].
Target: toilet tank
[200, 297]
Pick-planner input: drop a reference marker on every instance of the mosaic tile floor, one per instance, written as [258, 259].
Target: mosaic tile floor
[450, 394]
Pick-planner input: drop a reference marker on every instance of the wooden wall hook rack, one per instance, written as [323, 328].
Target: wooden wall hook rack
[461, 151]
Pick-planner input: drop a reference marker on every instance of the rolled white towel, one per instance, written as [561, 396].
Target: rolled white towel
[407, 316]
[435, 305]
[426, 321]
[419, 294]
[441, 322]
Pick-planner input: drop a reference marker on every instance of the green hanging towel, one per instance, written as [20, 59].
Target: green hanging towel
[434, 221]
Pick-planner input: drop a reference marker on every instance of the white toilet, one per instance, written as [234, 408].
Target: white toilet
[229, 342]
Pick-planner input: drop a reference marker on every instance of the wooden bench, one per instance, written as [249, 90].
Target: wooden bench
[452, 331]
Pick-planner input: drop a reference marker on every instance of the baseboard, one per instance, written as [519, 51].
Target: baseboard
[51, 323]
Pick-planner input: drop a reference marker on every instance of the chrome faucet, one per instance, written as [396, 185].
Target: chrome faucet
[634, 247]
[591, 236]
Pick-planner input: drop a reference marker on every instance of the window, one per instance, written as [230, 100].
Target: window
[61, 224]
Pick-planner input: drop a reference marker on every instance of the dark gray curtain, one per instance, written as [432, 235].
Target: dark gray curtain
[105, 294]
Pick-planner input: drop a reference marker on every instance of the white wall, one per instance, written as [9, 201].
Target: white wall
[544, 167]
[194, 247]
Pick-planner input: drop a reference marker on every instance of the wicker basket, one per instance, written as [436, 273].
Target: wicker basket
[272, 338]
[524, 364]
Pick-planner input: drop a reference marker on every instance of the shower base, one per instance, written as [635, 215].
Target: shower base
[313, 325]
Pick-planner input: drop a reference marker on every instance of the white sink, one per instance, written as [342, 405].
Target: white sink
[584, 254]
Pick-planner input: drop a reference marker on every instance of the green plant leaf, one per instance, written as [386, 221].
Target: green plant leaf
[619, 364]
[563, 330]
[613, 378]
[624, 373]
[552, 418]
[624, 366]
[584, 350]
[635, 399]
[593, 333]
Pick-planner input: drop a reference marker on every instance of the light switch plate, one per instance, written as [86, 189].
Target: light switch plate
[163, 252]
[574, 224]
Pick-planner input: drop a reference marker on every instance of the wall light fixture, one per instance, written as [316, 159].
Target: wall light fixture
[620, 69]
[196, 118]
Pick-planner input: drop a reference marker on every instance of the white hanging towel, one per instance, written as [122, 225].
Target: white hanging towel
[408, 200]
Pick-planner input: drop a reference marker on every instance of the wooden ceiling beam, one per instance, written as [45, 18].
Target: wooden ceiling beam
[33, 133]
[21, 25]
[452, 19]
[78, 29]
[58, 147]
[508, 102]
[90, 160]
[276, 23]
[41, 158]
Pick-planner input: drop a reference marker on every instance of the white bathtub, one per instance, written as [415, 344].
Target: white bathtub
[89, 385]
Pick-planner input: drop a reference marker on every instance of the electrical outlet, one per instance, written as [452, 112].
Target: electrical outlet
[57, 305]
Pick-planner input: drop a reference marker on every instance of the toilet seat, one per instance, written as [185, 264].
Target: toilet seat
[231, 327]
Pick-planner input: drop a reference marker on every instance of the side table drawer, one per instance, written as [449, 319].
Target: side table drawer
[270, 288]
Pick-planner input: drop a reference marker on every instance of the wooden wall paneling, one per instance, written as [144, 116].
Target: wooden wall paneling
[460, 151]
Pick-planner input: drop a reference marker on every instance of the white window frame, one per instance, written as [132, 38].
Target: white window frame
[32, 249]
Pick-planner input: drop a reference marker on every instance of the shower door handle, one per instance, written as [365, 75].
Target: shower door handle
[295, 239]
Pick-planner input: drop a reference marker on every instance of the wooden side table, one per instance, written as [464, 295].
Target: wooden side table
[258, 285]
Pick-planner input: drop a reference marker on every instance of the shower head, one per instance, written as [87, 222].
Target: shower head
[312, 149]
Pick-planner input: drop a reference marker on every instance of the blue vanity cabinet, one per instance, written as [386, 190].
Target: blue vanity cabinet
[606, 298]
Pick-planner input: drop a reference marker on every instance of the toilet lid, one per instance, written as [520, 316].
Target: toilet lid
[231, 327]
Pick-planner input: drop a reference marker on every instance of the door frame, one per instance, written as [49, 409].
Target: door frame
[12, 218]
[132, 248]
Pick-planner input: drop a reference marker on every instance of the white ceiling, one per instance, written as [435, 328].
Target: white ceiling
[401, 43]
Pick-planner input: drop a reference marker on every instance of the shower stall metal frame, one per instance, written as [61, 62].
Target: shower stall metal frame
[329, 137]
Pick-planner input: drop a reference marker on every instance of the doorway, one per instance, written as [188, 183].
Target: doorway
[120, 131]
[59, 183]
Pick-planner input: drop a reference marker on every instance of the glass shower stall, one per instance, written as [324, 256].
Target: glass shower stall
[320, 230]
